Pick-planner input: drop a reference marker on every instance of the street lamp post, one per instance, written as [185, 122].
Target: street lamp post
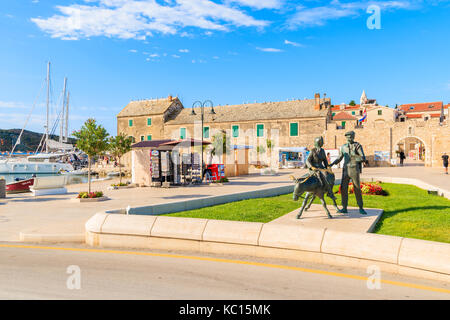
[202, 109]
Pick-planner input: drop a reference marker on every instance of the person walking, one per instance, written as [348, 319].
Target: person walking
[445, 162]
[402, 157]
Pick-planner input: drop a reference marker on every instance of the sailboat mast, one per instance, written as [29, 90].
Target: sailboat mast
[48, 103]
[67, 117]
[62, 120]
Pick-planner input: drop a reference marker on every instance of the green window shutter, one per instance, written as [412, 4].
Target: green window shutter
[343, 124]
[380, 112]
[333, 114]
[132, 139]
[149, 121]
[235, 131]
[206, 132]
[182, 133]
[353, 112]
[149, 137]
[142, 138]
[260, 130]
[293, 130]
[130, 123]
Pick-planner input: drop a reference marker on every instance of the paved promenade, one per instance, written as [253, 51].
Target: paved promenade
[60, 214]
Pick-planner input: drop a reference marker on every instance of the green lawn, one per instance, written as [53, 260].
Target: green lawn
[408, 211]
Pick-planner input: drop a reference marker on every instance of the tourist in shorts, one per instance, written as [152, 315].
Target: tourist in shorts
[445, 162]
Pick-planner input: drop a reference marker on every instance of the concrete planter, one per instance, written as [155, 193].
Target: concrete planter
[91, 199]
[121, 187]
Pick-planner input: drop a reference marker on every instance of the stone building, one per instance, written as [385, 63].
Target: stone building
[423, 111]
[284, 123]
[430, 138]
[293, 123]
[367, 109]
[144, 120]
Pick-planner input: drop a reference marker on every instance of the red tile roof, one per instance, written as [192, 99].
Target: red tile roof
[422, 107]
[343, 116]
[347, 107]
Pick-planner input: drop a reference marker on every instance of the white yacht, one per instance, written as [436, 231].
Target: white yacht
[40, 163]
[45, 162]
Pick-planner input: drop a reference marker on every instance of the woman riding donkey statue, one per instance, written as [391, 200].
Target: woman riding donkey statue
[318, 182]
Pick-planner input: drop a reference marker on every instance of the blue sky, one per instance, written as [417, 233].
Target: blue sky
[229, 51]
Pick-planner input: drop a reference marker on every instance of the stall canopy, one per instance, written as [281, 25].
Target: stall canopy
[150, 144]
[185, 143]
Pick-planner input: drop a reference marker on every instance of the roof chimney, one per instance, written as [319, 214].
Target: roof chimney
[317, 101]
[170, 97]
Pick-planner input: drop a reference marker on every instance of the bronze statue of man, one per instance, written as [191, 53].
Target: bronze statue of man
[316, 161]
[353, 155]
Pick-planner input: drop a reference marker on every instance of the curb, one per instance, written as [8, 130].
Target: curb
[412, 257]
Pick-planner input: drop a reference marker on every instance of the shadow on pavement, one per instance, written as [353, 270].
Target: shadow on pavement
[188, 196]
[394, 212]
[37, 199]
[253, 183]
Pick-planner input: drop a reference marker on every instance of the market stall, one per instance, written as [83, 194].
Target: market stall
[292, 157]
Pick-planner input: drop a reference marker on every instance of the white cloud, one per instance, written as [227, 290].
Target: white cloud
[318, 16]
[154, 55]
[184, 50]
[269, 49]
[132, 50]
[133, 19]
[175, 56]
[12, 105]
[260, 4]
[292, 43]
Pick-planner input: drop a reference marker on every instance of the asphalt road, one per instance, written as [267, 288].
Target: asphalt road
[38, 272]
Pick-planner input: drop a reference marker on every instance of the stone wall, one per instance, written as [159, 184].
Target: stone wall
[384, 137]
[140, 127]
[276, 130]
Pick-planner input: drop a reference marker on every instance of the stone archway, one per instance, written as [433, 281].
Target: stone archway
[414, 147]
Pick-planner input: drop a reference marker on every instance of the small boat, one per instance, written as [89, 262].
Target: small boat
[20, 186]
[78, 172]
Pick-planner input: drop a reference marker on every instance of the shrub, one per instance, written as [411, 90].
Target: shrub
[222, 180]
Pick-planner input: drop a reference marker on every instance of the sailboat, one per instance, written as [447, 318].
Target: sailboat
[44, 162]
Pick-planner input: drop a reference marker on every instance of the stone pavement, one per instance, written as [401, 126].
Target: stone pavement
[60, 214]
[316, 217]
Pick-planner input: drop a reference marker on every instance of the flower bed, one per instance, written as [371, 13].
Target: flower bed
[368, 188]
[90, 195]
[119, 184]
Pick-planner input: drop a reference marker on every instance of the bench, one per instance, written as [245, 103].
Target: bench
[49, 185]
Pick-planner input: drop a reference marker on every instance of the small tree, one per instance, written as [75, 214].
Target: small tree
[220, 144]
[92, 140]
[118, 146]
[352, 103]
